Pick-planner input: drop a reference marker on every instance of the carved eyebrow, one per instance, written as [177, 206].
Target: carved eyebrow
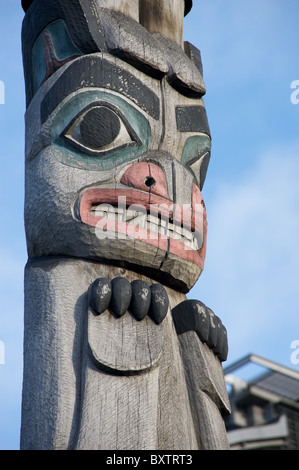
[192, 119]
[98, 72]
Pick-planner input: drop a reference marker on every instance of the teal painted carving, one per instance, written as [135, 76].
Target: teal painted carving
[130, 141]
[52, 49]
[196, 157]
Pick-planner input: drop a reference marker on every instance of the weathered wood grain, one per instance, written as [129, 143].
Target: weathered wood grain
[164, 17]
[117, 149]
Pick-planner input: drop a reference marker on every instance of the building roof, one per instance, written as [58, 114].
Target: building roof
[264, 399]
[265, 375]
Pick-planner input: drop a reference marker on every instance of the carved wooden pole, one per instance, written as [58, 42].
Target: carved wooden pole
[117, 149]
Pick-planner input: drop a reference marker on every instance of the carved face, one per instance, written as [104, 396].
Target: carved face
[117, 146]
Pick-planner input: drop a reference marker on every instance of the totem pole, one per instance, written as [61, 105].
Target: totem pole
[117, 150]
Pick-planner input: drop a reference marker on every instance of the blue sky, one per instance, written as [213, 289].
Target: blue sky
[250, 57]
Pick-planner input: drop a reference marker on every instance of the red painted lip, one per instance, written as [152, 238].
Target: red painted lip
[154, 205]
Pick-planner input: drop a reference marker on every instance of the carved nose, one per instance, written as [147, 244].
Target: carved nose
[146, 176]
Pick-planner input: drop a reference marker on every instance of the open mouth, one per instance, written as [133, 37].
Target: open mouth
[119, 213]
[158, 226]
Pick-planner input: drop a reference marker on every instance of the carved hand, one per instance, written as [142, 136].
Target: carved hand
[137, 297]
[196, 316]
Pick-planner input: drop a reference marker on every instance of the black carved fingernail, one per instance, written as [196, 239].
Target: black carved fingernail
[159, 303]
[202, 321]
[192, 315]
[213, 329]
[100, 295]
[141, 298]
[121, 296]
[222, 344]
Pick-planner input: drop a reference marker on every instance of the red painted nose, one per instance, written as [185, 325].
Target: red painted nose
[146, 176]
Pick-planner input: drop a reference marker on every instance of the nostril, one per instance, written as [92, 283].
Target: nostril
[146, 176]
[149, 181]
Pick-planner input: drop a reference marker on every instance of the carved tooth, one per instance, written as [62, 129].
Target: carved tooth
[139, 220]
[153, 226]
[177, 229]
[98, 212]
[130, 214]
[193, 243]
[174, 234]
[153, 219]
[148, 221]
[187, 233]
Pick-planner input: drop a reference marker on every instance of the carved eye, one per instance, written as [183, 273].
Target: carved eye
[100, 129]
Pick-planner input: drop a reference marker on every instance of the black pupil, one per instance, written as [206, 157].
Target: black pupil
[99, 127]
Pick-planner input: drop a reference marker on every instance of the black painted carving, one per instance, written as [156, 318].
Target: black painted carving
[100, 295]
[194, 54]
[193, 315]
[192, 119]
[98, 72]
[159, 303]
[99, 127]
[183, 74]
[141, 299]
[95, 129]
[137, 297]
[121, 296]
[188, 6]
[26, 4]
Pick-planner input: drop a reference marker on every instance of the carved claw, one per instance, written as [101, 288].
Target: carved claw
[121, 296]
[137, 297]
[141, 299]
[193, 315]
[159, 303]
[100, 295]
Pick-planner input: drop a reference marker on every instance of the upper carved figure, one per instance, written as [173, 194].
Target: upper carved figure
[119, 128]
